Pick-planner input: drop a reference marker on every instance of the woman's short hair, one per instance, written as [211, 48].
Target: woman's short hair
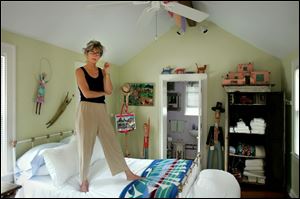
[92, 45]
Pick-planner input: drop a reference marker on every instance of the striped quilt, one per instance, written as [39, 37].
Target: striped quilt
[161, 180]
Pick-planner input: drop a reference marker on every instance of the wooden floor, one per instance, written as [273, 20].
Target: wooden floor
[262, 194]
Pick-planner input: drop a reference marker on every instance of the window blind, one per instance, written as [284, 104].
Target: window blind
[8, 109]
[296, 111]
[192, 99]
[3, 116]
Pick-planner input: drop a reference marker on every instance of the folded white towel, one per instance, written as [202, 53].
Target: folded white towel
[248, 173]
[254, 125]
[256, 180]
[256, 131]
[258, 120]
[258, 128]
[240, 124]
[254, 168]
[260, 151]
[242, 130]
[257, 172]
[254, 162]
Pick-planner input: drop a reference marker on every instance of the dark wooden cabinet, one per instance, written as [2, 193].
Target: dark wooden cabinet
[244, 104]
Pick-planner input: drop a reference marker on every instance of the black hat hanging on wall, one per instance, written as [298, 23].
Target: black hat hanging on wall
[218, 107]
[43, 79]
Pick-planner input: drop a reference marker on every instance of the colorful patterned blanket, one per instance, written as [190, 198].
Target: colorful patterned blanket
[161, 180]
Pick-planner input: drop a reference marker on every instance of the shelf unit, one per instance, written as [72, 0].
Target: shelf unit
[248, 102]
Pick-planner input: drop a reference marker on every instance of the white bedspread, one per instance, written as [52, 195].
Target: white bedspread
[102, 183]
[209, 184]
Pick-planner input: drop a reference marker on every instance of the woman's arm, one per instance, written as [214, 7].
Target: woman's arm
[84, 87]
[108, 88]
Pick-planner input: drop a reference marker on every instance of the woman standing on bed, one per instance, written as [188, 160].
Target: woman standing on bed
[92, 119]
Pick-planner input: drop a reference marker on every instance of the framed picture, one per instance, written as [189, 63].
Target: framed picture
[173, 101]
[142, 94]
[170, 86]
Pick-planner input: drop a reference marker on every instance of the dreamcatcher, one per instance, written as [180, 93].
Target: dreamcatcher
[42, 80]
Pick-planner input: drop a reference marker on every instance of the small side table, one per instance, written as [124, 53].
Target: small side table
[9, 190]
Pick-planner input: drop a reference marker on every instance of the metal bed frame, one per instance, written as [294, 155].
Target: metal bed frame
[14, 144]
[33, 139]
[190, 177]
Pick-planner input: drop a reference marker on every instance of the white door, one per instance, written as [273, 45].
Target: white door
[202, 121]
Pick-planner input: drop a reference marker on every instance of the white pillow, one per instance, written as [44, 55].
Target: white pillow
[42, 171]
[62, 162]
[25, 163]
[67, 139]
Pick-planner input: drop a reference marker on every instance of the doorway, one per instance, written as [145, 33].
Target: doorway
[201, 80]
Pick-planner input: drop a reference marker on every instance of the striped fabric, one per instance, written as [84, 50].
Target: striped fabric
[161, 180]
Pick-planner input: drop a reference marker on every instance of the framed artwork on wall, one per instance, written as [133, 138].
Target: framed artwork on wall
[142, 94]
[173, 102]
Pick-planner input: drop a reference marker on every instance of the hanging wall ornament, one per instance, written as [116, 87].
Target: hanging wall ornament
[45, 67]
[60, 110]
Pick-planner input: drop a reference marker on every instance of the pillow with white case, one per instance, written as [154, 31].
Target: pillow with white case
[24, 162]
[62, 162]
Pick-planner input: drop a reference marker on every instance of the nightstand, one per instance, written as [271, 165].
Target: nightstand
[9, 190]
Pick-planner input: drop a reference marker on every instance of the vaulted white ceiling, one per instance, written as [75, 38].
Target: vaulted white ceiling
[272, 26]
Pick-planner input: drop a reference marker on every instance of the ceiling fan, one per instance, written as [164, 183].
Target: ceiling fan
[181, 11]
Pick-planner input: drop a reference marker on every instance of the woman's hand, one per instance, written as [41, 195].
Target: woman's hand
[106, 80]
[106, 68]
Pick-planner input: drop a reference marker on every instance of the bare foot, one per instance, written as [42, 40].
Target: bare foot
[84, 187]
[132, 176]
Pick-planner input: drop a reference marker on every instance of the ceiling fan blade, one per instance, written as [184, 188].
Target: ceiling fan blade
[118, 3]
[108, 3]
[185, 11]
[190, 22]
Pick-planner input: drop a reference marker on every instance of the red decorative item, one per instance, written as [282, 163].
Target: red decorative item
[179, 70]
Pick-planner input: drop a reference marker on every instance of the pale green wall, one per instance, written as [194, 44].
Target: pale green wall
[293, 164]
[28, 55]
[219, 49]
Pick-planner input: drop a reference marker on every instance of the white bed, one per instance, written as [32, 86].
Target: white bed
[207, 183]
[102, 183]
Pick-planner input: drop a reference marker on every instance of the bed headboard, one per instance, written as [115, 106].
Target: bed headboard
[34, 141]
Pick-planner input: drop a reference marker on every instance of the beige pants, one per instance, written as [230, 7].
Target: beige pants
[92, 120]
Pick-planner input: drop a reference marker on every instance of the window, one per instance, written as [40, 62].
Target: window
[3, 116]
[192, 99]
[8, 97]
[296, 109]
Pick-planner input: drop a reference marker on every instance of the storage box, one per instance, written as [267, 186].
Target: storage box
[233, 82]
[179, 70]
[235, 75]
[245, 68]
[261, 77]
